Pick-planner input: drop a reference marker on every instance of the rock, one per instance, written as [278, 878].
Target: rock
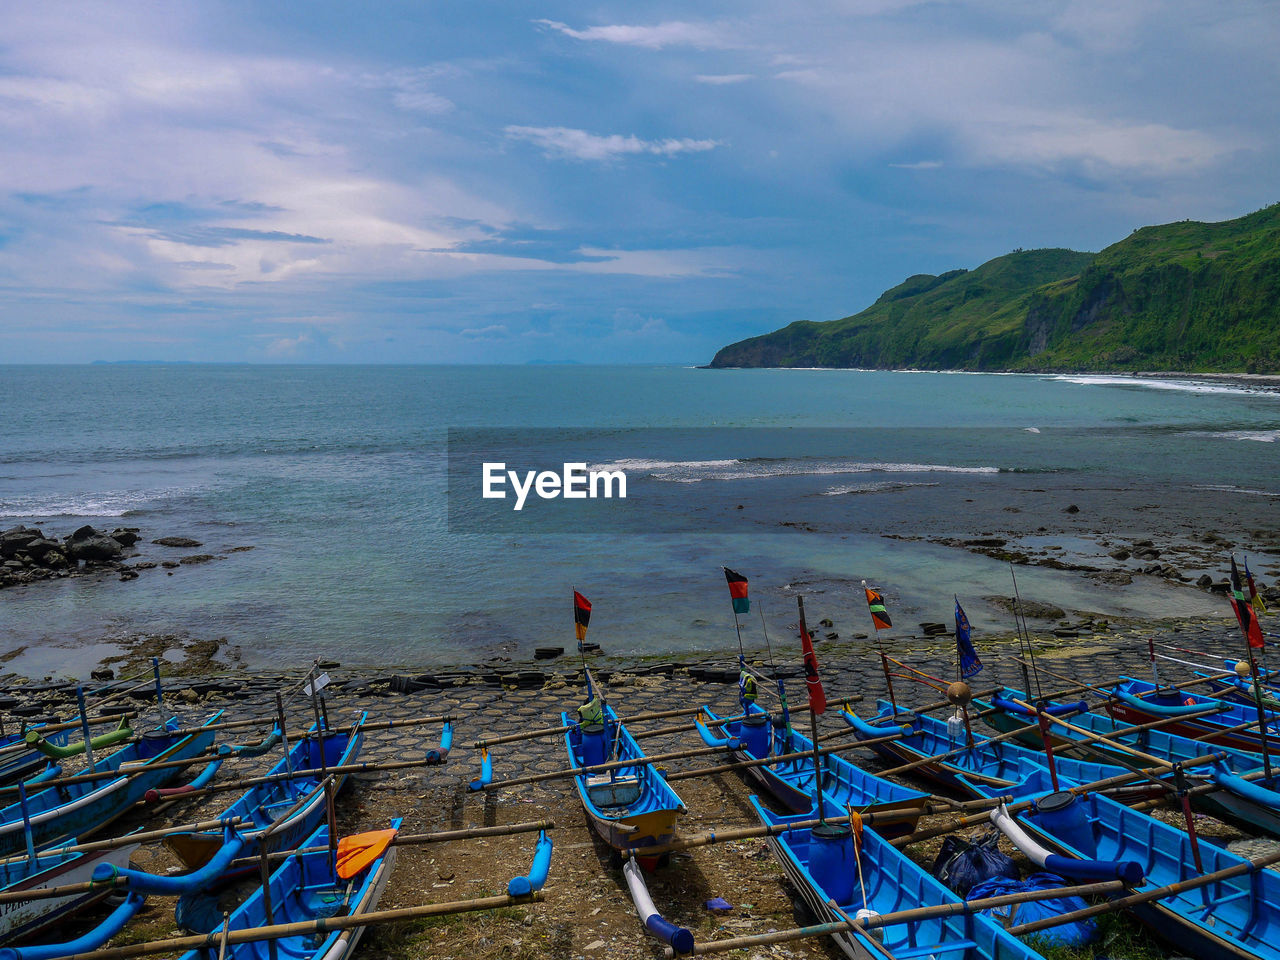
[547, 653]
[985, 542]
[127, 575]
[1204, 581]
[168, 564]
[1072, 509]
[1120, 553]
[197, 558]
[16, 539]
[106, 673]
[177, 542]
[37, 550]
[125, 536]
[1151, 568]
[92, 546]
[145, 565]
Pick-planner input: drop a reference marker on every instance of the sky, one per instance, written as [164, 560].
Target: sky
[609, 182]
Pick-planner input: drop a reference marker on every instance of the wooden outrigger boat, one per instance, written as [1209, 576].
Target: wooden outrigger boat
[1138, 701]
[842, 879]
[630, 808]
[22, 919]
[299, 798]
[995, 765]
[78, 809]
[791, 782]
[307, 887]
[1230, 917]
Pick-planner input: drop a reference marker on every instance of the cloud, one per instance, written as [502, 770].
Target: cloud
[289, 347]
[495, 331]
[721, 79]
[918, 165]
[672, 33]
[580, 145]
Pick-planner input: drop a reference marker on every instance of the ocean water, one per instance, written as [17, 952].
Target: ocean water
[357, 489]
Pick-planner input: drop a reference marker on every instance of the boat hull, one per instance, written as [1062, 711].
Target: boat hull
[21, 919]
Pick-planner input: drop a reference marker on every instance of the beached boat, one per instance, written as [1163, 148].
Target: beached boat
[631, 807]
[1254, 801]
[262, 806]
[1232, 918]
[825, 865]
[21, 919]
[306, 888]
[994, 765]
[1138, 701]
[791, 781]
[78, 809]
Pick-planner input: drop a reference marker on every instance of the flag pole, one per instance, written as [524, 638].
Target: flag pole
[782, 690]
[1243, 609]
[813, 729]
[1020, 620]
[884, 660]
[582, 653]
[742, 656]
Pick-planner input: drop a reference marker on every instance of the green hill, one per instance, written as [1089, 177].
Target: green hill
[1180, 296]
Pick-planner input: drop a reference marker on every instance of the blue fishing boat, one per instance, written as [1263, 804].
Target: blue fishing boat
[791, 782]
[873, 878]
[22, 919]
[1254, 801]
[1138, 701]
[300, 797]
[18, 761]
[631, 807]
[78, 809]
[1229, 919]
[307, 888]
[994, 765]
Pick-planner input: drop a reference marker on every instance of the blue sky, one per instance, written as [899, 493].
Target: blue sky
[611, 182]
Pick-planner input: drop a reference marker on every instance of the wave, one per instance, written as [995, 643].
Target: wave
[1229, 488]
[875, 486]
[1258, 436]
[760, 468]
[1189, 385]
[85, 505]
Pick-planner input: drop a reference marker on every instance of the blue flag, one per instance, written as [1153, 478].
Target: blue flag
[970, 665]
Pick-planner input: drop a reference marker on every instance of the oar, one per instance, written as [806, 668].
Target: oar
[913, 915]
[662, 757]
[210, 941]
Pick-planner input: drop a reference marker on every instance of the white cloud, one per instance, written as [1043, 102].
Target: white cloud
[580, 145]
[672, 33]
[721, 79]
[494, 331]
[918, 165]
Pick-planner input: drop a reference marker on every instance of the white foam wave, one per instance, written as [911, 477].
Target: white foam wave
[1258, 436]
[1228, 488]
[84, 505]
[697, 471]
[879, 486]
[1160, 383]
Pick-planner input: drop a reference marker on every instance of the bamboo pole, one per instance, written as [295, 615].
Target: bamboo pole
[674, 755]
[443, 836]
[22, 746]
[913, 915]
[553, 731]
[1175, 686]
[178, 945]
[1096, 786]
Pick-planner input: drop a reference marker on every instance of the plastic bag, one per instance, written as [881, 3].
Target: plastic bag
[1074, 934]
[962, 864]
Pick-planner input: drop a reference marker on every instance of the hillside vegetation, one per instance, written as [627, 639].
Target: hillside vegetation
[1179, 296]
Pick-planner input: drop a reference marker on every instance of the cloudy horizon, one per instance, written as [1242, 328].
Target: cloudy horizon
[232, 181]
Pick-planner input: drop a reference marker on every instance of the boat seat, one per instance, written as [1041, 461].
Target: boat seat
[933, 950]
[619, 792]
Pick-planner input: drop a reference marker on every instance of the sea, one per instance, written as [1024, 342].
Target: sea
[343, 506]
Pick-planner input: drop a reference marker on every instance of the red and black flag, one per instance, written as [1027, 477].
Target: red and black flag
[738, 591]
[1258, 605]
[581, 615]
[817, 696]
[1244, 610]
[879, 615]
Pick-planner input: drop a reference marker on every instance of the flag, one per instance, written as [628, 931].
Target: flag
[817, 696]
[875, 603]
[970, 665]
[738, 591]
[1249, 625]
[1258, 606]
[581, 615]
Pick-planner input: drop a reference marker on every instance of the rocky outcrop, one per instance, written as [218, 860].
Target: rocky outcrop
[27, 554]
